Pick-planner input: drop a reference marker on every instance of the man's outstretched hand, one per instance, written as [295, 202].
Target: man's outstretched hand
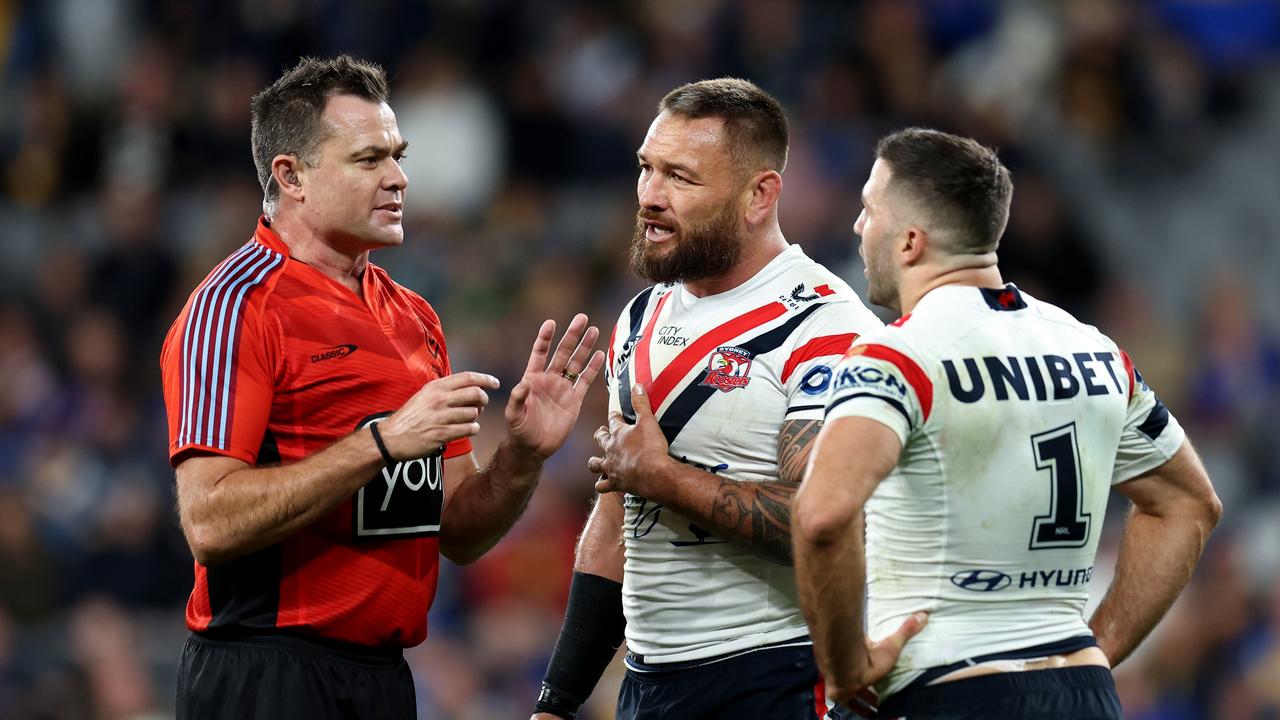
[544, 405]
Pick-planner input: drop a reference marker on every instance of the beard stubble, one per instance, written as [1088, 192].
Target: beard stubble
[698, 252]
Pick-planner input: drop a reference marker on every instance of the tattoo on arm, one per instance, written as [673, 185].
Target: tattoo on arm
[760, 512]
[794, 443]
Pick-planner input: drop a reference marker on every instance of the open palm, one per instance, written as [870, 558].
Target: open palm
[545, 403]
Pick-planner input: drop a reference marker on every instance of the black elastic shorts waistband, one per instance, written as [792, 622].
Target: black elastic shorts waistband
[324, 647]
[975, 690]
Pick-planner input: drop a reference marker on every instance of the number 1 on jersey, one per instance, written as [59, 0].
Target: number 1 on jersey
[1067, 524]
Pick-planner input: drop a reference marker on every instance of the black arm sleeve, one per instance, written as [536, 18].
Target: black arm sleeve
[591, 634]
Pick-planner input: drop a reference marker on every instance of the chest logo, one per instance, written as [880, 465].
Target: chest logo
[330, 353]
[729, 369]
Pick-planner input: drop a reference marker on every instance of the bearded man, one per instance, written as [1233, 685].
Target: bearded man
[717, 377]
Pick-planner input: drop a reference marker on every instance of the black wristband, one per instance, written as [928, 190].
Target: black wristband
[551, 700]
[382, 447]
[592, 632]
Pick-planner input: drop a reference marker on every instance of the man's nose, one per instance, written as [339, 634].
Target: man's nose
[653, 193]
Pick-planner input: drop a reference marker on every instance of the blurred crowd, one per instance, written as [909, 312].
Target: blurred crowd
[1143, 137]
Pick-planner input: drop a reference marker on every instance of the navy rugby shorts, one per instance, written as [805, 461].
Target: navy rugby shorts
[779, 682]
[1071, 693]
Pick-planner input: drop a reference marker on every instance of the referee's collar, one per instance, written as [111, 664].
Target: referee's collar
[268, 237]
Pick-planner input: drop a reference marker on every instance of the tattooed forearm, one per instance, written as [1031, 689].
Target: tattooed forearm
[755, 514]
[758, 513]
[794, 443]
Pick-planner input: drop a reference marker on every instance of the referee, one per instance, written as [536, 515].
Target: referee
[320, 438]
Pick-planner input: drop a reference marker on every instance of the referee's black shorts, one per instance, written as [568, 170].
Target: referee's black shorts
[1068, 693]
[277, 677]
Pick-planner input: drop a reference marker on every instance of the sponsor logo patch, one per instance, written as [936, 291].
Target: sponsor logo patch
[869, 378]
[401, 501]
[981, 580]
[332, 353]
[816, 381]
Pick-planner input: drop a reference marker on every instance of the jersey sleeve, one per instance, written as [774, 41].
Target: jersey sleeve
[815, 348]
[218, 369]
[882, 382]
[1151, 433]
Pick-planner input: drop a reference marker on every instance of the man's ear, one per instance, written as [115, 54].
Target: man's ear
[766, 186]
[285, 170]
[914, 243]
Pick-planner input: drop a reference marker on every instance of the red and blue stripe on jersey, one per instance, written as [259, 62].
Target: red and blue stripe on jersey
[695, 394]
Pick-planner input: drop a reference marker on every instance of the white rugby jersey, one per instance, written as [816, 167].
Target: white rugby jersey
[722, 373]
[1015, 420]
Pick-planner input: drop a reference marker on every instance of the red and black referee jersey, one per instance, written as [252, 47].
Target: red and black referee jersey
[272, 361]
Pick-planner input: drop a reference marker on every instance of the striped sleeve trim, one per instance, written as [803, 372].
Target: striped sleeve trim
[896, 405]
[210, 342]
[917, 378]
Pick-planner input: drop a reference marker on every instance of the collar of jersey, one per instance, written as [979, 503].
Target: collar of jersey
[952, 294]
[268, 237]
[755, 282]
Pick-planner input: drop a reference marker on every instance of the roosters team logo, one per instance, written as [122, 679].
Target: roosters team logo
[729, 369]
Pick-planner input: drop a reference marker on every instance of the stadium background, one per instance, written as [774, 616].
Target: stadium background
[1144, 139]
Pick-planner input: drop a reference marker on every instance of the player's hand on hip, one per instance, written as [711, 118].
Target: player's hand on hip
[441, 411]
[882, 655]
[631, 452]
[544, 405]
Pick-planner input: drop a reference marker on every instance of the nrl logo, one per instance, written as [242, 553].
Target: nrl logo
[729, 369]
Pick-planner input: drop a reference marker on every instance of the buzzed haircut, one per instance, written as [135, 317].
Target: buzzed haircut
[288, 117]
[959, 181]
[754, 122]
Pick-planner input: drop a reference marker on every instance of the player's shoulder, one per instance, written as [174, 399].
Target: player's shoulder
[1065, 321]
[236, 287]
[806, 283]
[917, 334]
[250, 265]
[636, 308]
[229, 300]
[894, 339]
[802, 279]
[918, 339]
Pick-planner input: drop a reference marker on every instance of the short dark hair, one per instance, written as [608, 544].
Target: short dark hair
[960, 181]
[288, 117]
[754, 122]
